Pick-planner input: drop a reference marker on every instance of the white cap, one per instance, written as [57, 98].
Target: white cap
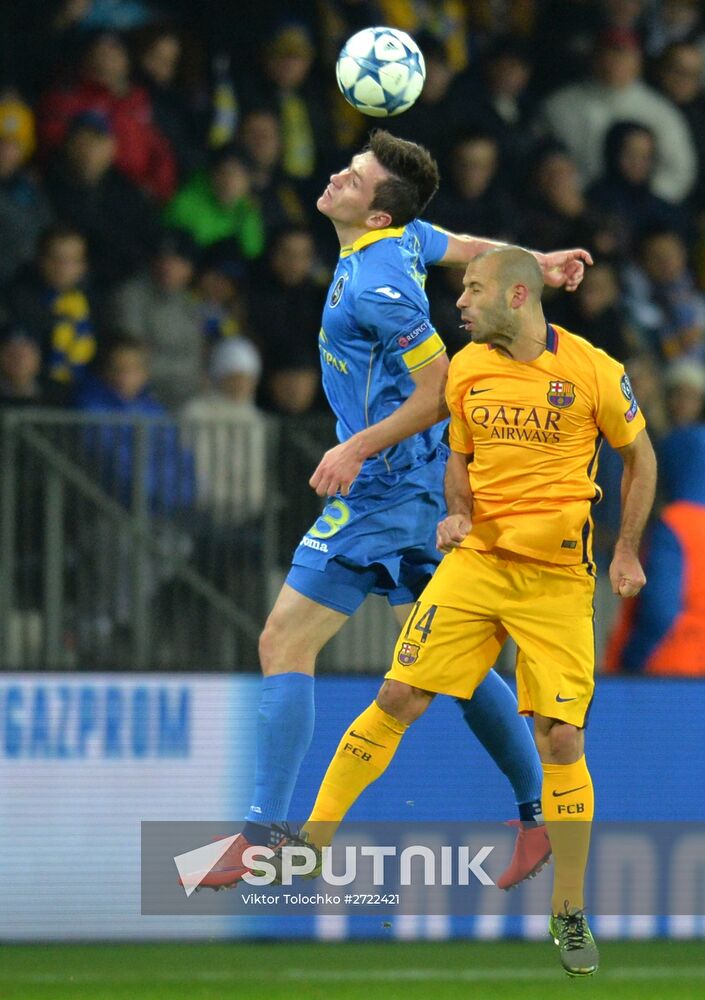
[685, 372]
[236, 354]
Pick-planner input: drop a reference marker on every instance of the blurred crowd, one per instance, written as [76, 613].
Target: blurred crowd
[160, 164]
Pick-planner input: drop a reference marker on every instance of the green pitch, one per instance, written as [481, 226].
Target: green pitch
[645, 970]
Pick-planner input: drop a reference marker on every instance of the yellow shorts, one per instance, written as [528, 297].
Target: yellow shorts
[475, 599]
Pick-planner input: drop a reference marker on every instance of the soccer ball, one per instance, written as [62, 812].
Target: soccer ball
[380, 71]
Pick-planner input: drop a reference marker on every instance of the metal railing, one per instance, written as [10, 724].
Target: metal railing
[145, 543]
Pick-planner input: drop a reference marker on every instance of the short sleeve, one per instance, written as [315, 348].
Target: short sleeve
[433, 240]
[460, 436]
[397, 315]
[617, 411]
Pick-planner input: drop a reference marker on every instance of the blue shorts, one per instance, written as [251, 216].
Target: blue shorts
[380, 539]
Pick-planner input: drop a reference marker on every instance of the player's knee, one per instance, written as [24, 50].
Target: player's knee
[284, 647]
[403, 702]
[272, 649]
[564, 743]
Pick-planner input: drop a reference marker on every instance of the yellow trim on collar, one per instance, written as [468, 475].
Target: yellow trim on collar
[371, 237]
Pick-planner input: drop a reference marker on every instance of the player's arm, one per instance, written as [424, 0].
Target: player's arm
[638, 489]
[457, 524]
[561, 268]
[425, 407]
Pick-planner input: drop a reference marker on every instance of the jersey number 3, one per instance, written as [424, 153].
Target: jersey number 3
[333, 518]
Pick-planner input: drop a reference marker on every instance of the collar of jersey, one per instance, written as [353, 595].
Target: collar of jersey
[372, 237]
[551, 340]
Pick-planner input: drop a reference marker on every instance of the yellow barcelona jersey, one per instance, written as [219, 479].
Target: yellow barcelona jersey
[535, 430]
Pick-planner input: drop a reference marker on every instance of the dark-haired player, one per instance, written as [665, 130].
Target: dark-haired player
[384, 373]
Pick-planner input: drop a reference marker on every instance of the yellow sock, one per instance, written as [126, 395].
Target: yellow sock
[568, 804]
[362, 755]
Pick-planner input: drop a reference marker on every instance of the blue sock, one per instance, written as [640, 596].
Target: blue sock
[492, 715]
[284, 732]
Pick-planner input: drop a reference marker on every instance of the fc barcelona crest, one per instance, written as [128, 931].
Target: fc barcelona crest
[561, 394]
[408, 653]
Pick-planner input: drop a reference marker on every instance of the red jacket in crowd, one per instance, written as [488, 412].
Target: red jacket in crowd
[143, 153]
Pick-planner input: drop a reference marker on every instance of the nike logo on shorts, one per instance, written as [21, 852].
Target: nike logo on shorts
[558, 698]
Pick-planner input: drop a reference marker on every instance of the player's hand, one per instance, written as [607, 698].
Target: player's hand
[564, 268]
[338, 469]
[451, 531]
[626, 574]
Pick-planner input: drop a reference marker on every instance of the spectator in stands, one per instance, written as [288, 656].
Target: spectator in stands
[24, 209]
[21, 379]
[662, 299]
[285, 310]
[158, 309]
[556, 210]
[684, 383]
[663, 631]
[472, 199]
[672, 21]
[179, 111]
[498, 100]
[216, 204]
[286, 83]
[580, 114]
[228, 435]
[625, 189]
[117, 218]
[120, 386]
[51, 299]
[143, 154]
[220, 292]
[278, 198]
[596, 312]
[680, 76]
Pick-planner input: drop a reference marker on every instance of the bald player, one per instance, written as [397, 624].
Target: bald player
[529, 406]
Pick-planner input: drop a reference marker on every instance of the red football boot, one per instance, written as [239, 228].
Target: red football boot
[532, 849]
[230, 867]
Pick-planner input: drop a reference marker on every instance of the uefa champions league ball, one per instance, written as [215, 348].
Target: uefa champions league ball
[380, 71]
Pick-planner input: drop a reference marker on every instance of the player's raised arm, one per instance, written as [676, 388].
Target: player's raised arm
[638, 490]
[426, 405]
[560, 268]
[457, 524]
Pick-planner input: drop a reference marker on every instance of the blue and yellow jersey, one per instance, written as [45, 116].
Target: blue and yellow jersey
[535, 430]
[376, 332]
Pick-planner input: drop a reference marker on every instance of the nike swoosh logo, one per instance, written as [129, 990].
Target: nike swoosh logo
[364, 739]
[389, 292]
[557, 795]
[474, 392]
[558, 698]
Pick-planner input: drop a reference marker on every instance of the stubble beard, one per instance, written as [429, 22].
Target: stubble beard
[499, 327]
